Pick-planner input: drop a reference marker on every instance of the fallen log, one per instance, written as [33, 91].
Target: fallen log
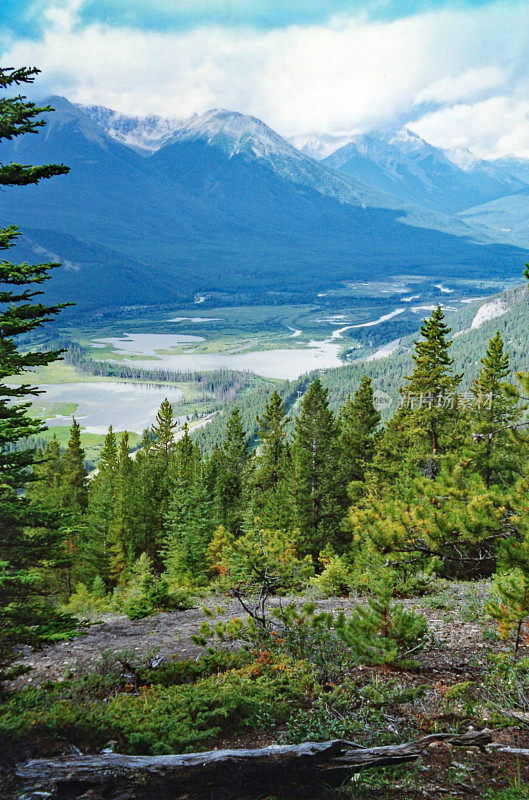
[521, 752]
[293, 770]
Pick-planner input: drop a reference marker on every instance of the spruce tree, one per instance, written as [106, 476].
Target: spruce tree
[26, 616]
[161, 453]
[147, 501]
[495, 410]
[98, 552]
[315, 489]
[120, 535]
[428, 422]
[269, 492]
[358, 422]
[163, 430]
[75, 474]
[432, 385]
[233, 460]
[46, 487]
[189, 522]
[272, 440]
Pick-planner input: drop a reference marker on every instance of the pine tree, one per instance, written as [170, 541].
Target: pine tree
[75, 474]
[429, 422]
[382, 632]
[25, 614]
[453, 522]
[495, 410]
[316, 491]
[510, 604]
[233, 460]
[269, 491]
[358, 422]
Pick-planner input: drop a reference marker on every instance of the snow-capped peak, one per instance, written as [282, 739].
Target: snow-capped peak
[407, 141]
[319, 146]
[462, 157]
[234, 133]
[144, 134]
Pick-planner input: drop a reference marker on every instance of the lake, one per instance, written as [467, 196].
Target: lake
[286, 364]
[125, 406]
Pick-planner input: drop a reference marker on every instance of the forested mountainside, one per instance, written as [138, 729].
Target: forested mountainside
[507, 312]
[403, 164]
[507, 217]
[224, 206]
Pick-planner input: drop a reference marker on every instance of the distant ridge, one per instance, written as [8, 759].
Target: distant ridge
[221, 205]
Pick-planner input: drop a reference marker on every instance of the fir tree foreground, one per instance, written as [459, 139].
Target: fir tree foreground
[28, 543]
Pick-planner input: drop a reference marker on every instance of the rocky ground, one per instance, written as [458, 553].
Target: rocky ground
[461, 637]
[454, 614]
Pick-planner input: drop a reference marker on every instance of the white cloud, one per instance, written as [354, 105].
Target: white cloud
[490, 128]
[460, 87]
[347, 76]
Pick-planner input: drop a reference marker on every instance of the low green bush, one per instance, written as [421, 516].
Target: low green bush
[382, 632]
[350, 710]
[335, 580]
[156, 718]
[143, 593]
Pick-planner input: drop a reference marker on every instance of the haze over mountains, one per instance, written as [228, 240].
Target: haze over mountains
[159, 211]
[402, 163]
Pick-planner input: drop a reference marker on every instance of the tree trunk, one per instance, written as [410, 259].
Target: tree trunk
[292, 770]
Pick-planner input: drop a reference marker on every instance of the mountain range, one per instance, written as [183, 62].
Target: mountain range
[401, 163]
[159, 211]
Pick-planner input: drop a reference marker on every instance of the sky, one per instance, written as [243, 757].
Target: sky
[457, 73]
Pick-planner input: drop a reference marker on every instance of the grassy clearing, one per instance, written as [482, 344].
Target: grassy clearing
[59, 372]
[91, 442]
[47, 410]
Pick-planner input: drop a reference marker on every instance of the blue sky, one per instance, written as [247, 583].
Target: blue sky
[456, 72]
[25, 16]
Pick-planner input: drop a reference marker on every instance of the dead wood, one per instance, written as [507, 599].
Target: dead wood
[293, 770]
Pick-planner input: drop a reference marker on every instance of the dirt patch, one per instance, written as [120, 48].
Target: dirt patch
[452, 616]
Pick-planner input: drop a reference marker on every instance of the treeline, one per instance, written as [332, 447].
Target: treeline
[220, 385]
[440, 489]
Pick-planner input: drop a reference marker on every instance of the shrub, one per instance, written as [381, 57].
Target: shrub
[383, 632]
[88, 603]
[336, 578]
[350, 709]
[144, 594]
[510, 608]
